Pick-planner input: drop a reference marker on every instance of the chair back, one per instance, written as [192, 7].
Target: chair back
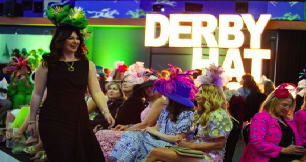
[246, 133]
[232, 141]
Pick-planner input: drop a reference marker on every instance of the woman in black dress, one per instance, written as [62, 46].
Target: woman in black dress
[64, 125]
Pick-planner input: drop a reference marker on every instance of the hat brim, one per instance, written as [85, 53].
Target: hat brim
[145, 84]
[178, 98]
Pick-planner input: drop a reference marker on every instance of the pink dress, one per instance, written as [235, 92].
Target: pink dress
[265, 135]
[300, 121]
[109, 138]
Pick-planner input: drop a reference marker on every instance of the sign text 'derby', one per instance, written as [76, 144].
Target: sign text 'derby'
[229, 25]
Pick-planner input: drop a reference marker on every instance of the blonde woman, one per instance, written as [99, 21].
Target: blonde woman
[211, 124]
[273, 133]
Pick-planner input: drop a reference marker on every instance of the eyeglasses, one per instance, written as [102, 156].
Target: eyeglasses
[284, 105]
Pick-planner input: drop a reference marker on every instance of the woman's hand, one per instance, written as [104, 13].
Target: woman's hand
[183, 142]
[32, 129]
[294, 150]
[152, 130]
[110, 120]
[96, 129]
[121, 128]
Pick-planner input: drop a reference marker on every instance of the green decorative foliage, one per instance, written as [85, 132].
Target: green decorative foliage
[66, 16]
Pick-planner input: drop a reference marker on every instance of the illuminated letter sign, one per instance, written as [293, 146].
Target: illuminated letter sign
[229, 25]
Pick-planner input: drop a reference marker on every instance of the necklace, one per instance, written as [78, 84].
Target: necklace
[281, 120]
[70, 67]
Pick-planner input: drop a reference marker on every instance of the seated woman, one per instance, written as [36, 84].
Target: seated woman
[129, 112]
[300, 121]
[273, 134]
[211, 124]
[20, 89]
[115, 100]
[149, 116]
[174, 121]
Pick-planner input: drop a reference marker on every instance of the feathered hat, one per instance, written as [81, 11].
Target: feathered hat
[179, 87]
[302, 84]
[215, 75]
[16, 63]
[69, 16]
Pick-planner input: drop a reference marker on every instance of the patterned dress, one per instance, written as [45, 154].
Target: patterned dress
[109, 138]
[135, 146]
[218, 125]
[300, 121]
[265, 137]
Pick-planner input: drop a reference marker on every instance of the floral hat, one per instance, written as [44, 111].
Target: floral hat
[179, 87]
[215, 75]
[69, 16]
[135, 73]
[121, 67]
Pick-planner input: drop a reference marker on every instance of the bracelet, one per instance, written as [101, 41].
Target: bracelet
[130, 125]
[105, 112]
[30, 122]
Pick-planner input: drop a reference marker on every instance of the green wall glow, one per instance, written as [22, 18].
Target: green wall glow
[20, 41]
[113, 43]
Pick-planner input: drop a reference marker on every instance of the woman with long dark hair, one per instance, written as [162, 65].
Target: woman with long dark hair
[248, 85]
[64, 125]
[174, 121]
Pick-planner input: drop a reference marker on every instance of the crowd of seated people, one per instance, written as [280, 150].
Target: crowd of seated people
[165, 116]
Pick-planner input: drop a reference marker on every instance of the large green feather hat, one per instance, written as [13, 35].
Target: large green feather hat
[68, 16]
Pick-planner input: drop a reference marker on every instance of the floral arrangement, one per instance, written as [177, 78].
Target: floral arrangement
[136, 72]
[121, 67]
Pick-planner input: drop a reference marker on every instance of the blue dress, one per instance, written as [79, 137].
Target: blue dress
[135, 146]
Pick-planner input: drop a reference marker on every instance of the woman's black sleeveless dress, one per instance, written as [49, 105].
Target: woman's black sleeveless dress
[64, 125]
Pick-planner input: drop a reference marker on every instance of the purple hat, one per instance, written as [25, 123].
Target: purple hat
[179, 87]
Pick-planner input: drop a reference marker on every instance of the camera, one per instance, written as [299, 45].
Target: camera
[20, 77]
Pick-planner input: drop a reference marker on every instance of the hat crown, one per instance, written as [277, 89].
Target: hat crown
[182, 89]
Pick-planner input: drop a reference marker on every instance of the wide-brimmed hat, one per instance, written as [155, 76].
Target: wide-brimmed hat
[179, 87]
[135, 73]
[149, 78]
[180, 94]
